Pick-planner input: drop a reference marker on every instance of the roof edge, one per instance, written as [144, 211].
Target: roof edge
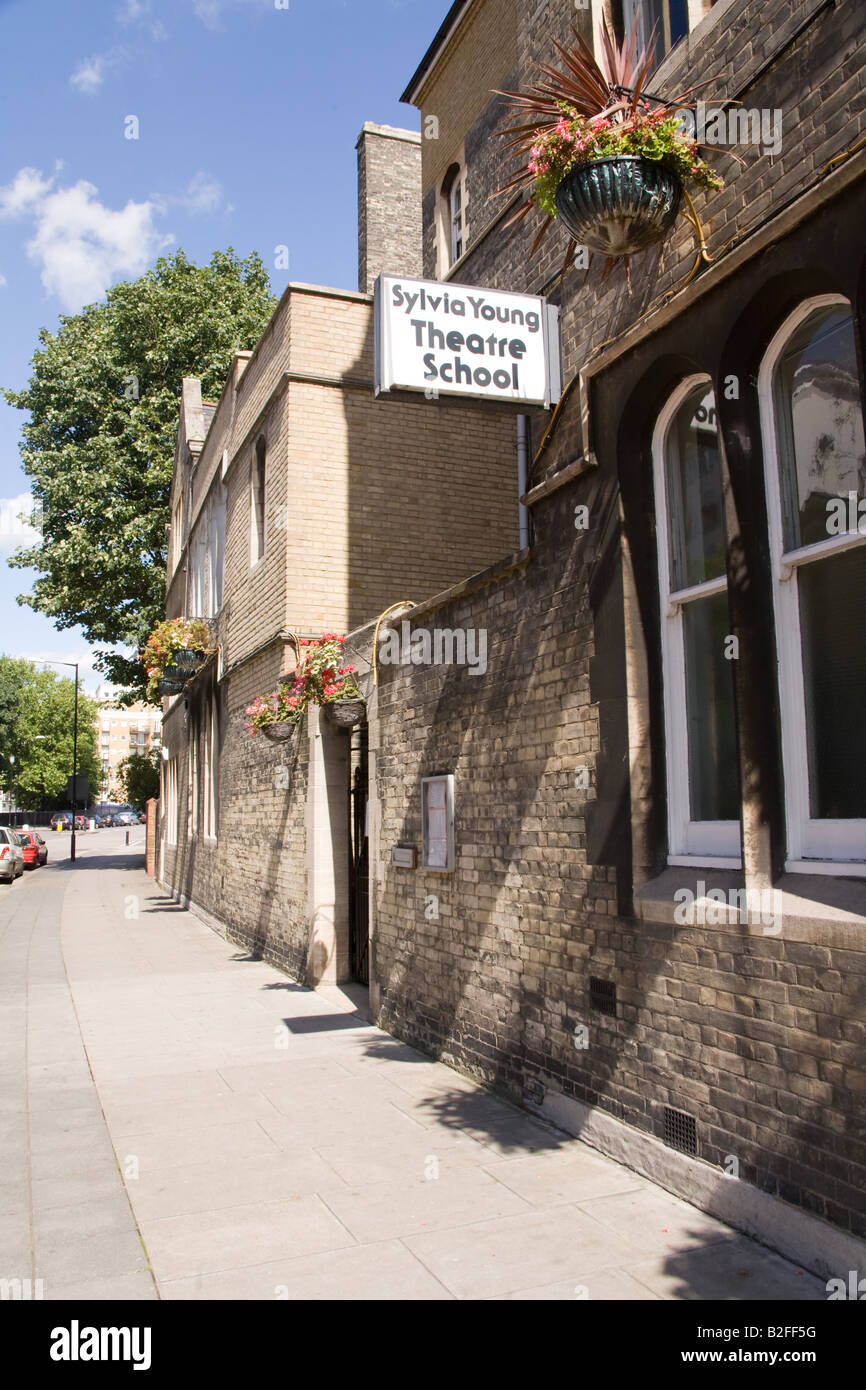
[443, 34]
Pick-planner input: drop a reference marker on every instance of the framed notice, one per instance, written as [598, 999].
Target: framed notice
[437, 823]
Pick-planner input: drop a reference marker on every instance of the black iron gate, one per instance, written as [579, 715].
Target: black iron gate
[358, 880]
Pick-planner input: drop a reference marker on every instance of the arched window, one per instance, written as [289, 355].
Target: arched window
[454, 214]
[257, 504]
[815, 463]
[700, 736]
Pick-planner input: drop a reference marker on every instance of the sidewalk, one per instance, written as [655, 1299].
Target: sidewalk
[275, 1145]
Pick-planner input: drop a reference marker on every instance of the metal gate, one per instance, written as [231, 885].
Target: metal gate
[358, 869]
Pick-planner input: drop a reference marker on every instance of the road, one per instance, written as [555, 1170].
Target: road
[180, 1121]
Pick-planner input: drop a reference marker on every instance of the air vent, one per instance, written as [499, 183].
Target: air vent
[602, 996]
[681, 1131]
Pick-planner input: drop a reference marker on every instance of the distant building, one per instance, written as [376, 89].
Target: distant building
[121, 730]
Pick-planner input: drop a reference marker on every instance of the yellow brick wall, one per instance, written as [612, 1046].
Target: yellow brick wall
[479, 58]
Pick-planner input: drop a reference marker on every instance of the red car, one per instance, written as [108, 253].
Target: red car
[33, 847]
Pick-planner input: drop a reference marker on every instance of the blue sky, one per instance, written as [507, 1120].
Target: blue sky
[247, 120]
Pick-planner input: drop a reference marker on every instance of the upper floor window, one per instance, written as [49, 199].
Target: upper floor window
[670, 20]
[257, 507]
[700, 732]
[454, 214]
[815, 466]
[216, 551]
[176, 532]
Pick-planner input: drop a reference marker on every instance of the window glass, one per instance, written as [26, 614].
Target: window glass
[819, 424]
[714, 792]
[834, 679]
[694, 489]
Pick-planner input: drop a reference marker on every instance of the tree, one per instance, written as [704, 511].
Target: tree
[99, 445]
[139, 777]
[14, 675]
[37, 709]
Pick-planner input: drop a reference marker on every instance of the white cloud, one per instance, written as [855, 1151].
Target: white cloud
[138, 12]
[210, 12]
[79, 244]
[2, 281]
[13, 531]
[26, 190]
[203, 194]
[89, 76]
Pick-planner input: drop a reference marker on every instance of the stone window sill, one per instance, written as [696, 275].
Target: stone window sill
[817, 908]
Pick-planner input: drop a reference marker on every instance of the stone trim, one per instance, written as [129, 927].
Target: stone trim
[481, 580]
[818, 909]
[576, 469]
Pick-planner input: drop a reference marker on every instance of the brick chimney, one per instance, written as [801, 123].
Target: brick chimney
[389, 203]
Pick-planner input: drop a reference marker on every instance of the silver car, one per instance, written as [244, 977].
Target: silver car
[11, 855]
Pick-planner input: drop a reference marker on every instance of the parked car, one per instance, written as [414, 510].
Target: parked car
[34, 848]
[61, 820]
[81, 822]
[125, 818]
[11, 855]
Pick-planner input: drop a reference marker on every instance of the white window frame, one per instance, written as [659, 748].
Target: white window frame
[258, 517]
[456, 234]
[210, 776]
[193, 777]
[711, 844]
[170, 801]
[813, 846]
[176, 532]
[450, 855]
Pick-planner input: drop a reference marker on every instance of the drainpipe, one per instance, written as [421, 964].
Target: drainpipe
[522, 465]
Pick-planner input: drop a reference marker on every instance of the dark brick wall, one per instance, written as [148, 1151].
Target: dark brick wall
[817, 80]
[761, 1038]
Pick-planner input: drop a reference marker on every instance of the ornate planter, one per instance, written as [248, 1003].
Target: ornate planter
[619, 205]
[280, 731]
[171, 685]
[187, 660]
[346, 713]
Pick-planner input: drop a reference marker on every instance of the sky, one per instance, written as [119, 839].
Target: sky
[247, 113]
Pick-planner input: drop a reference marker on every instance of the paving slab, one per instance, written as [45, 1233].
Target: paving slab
[187, 1123]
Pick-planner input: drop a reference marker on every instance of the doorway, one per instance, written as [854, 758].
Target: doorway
[359, 888]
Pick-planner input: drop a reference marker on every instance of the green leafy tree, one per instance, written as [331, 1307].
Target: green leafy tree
[39, 712]
[14, 675]
[99, 444]
[139, 777]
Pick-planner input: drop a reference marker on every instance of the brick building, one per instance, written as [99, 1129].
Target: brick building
[628, 887]
[303, 504]
[120, 731]
[671, 711]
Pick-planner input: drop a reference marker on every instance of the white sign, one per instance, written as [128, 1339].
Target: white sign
[459, 340]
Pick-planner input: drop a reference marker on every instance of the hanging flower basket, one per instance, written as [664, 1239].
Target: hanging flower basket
[173, 652]
[280, 731]
[345, 713]
[187, 659]
[620, 205]
[168, 685]
[320, 679]
[612, 164]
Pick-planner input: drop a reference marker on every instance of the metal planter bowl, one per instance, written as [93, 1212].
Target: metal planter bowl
[619, 205]
[346, 713]
[187, 659]
[280, 731]
[169, 685]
